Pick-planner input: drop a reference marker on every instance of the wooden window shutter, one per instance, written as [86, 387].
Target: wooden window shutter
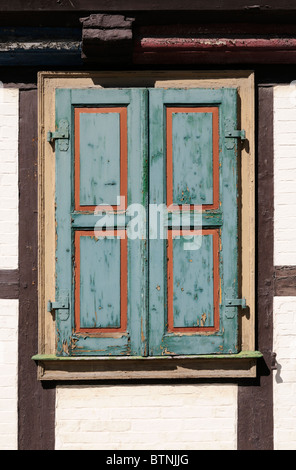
[118, 294]
[194, 268]
[101, 272]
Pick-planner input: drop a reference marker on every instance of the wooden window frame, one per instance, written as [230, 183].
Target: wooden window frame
[51, 367]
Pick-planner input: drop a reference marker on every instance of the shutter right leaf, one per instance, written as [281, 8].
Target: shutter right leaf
[193, 168]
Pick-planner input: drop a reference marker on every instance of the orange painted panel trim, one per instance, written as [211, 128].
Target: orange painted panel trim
[169, 151]
[170, 282]
[123, 279]
[122, 111]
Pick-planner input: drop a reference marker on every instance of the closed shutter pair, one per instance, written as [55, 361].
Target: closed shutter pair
[146, 222]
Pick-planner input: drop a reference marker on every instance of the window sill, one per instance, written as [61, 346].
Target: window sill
[241, 365]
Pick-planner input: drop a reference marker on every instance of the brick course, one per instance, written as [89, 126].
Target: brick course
[8, 178]
[146, 417]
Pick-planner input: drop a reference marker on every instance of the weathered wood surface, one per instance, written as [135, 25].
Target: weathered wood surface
[145, 5]
[255, 401]
[192, 149]
[285, 280]
[36, 404]
[40, 46]
[99, 277]
[215, 43]
[49, 81]
[9, 284]
[99, 169]
[223, 335]
[192, 289]
[120, 368]
[79, 337]
[106, 38]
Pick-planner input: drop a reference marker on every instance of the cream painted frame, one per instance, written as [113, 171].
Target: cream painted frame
[48, 82]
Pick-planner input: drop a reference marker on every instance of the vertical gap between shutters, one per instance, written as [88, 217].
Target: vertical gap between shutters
[148, 226]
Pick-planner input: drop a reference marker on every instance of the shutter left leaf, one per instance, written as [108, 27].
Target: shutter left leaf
[101, 173]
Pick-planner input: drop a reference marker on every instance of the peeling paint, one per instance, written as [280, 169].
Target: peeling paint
[203, 319]
[40, 45]
[65, 347]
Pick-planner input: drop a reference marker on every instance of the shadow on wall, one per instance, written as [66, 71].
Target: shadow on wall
[278, 378]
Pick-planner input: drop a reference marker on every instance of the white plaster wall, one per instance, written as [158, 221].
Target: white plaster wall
[8, 260]
[8, 373]
[149, 417]
[285, 377]
[8, 178]
[285, 175]
[284, 336]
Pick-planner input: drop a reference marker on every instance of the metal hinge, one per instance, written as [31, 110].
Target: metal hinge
[236, 303]
[62, 135]
[273, 365]
[231, 312]
[56, 306]
[61, 304]
[235, 134]
[231, 133]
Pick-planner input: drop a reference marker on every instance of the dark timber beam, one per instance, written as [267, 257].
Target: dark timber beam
[255, 400]
[107, 38]
[36, 404]
[9, 284]
[285, 280]
[147, 5]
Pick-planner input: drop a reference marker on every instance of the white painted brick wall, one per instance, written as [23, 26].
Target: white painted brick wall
[8, 260]
[285, 377]
[8, 374]
[151, 417]
[8, 178]
[285, 254]
[285, 175]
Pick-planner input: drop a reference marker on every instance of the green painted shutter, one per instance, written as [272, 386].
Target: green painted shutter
[106, 303]
[193, 267]
[101, 273]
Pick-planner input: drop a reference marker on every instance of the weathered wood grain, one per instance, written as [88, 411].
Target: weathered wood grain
[255, 401]
[223, 337]
[145, 5]
[36, 403]
[129, 368]
[73, 330]
[285, 280]
[49, 81]
[9, 284]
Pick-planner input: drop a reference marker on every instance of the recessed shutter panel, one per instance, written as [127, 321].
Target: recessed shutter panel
[100, 173]
[193, 262]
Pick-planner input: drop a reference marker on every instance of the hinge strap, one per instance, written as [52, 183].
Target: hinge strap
[62, 304]
[62, 135]
[235, 134]
[236, 303]
[57, 305]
